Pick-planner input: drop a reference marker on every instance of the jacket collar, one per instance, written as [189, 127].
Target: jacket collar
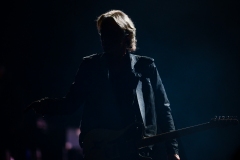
[134, 59]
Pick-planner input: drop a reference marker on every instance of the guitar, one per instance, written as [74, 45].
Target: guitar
[102, 144]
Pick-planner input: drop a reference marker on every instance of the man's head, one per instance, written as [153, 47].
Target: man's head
[117, 31]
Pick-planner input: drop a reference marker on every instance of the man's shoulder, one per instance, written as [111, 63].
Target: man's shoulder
[143, 64]
[143, 60]
[92, 57]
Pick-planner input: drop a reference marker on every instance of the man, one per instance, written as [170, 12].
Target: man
[116, 88]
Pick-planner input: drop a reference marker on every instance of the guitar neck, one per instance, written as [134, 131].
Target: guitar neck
[174, 134]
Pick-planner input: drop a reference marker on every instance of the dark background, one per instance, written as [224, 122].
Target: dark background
[195, 45]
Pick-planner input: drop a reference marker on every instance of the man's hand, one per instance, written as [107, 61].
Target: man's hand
[173, 157]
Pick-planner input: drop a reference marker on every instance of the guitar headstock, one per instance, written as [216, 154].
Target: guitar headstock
[225, 120]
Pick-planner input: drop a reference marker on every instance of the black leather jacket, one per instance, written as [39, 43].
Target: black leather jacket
[151, 99]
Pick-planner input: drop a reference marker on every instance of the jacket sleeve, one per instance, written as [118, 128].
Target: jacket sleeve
[163, 111]
[74, 99]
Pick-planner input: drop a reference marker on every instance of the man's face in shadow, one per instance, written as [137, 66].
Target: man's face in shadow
[112, 37]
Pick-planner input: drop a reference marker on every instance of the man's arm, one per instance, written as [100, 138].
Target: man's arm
[75, 97]
[163, 112]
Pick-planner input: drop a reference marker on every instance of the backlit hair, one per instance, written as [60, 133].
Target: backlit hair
[124, 22]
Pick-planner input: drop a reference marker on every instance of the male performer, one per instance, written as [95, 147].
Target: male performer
[116, 88]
